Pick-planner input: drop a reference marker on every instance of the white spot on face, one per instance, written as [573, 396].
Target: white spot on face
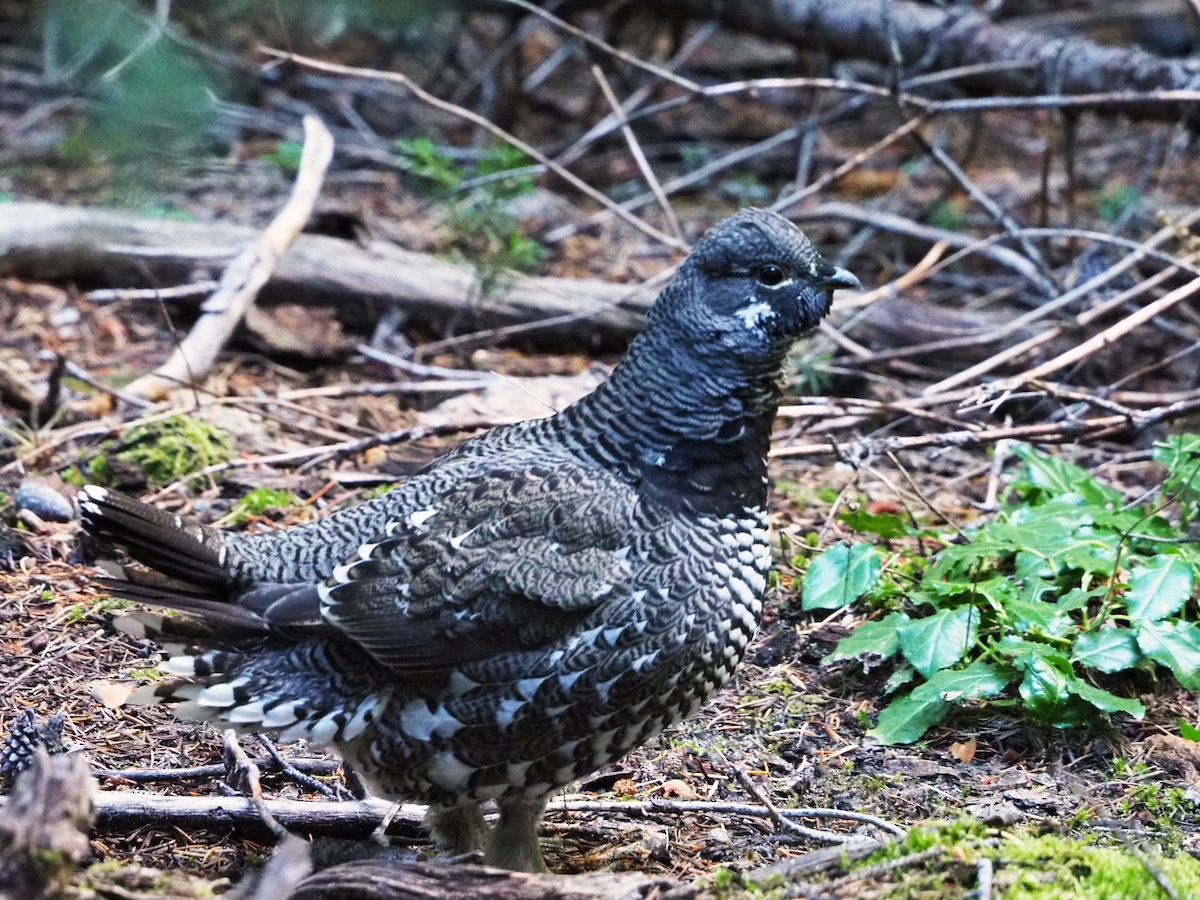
[755, 315]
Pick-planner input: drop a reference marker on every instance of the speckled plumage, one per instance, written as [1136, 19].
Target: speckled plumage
[534, 604]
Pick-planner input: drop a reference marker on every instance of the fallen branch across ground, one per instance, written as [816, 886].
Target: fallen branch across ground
[124, 810]
[191, 360]
[43, 241]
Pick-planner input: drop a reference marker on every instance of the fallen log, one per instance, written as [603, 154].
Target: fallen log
[43, 241]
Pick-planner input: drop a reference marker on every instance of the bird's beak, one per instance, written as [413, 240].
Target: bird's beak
[838, 278]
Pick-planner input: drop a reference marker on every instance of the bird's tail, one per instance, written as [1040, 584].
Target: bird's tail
[194, 554]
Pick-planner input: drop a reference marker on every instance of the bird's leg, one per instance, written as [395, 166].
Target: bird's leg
[513, 843]
[457, 829]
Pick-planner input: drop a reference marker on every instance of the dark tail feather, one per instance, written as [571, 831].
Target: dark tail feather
[170, 544]
[202, 618]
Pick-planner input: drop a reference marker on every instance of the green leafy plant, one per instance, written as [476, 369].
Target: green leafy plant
[484, 226]
[1064, 587]
[1113, 200]
[286, 156]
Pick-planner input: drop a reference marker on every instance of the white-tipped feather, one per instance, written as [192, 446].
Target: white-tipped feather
[179, 665]
[280, 716]
[358, 721]
[247, 712]
[295, 732]
[217, 695]
[323, 730]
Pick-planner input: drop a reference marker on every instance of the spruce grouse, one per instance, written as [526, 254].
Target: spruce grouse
[535, 603]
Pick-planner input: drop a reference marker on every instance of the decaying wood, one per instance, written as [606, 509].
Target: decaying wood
[124, 810]
[244, 277]
[396, 880]
[1010, 60]
[44, 826]
[43, 241]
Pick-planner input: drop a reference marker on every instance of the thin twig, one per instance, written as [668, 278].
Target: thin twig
[482, 122]
[639, 157]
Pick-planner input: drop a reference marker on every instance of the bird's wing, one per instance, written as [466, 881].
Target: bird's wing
[505, 560]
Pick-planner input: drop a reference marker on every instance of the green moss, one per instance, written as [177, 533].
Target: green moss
[261, 499]
[1057, 868]
[1028, 867]
[166, 451]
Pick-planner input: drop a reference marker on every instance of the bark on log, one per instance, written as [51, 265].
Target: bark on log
[44, 826]
[122, 810]
[42, 241]
[383, 880]
[945, 38]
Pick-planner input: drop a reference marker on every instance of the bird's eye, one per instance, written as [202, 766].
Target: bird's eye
[770, 275]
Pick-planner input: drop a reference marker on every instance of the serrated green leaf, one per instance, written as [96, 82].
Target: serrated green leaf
[940, 640]
[907, 718]
[1188, 732]
[974, 682]
[1158, 588]
[1037, 615]
[1057, 477]
[1044, 688]
[871, 639]
[1175, 645]
[840, 575]
[1105, 701]
[1106, 650]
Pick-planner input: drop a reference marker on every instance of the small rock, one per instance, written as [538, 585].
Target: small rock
[43, 501]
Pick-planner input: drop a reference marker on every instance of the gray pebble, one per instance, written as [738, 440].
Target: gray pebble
[43, 501]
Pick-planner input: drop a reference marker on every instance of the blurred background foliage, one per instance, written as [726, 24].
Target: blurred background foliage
[153, 76]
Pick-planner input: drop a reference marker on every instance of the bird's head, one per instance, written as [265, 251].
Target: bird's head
[751, 286]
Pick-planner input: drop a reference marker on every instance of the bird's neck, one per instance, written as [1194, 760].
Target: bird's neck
[685, 423]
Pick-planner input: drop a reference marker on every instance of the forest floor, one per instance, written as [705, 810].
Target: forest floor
[789, 732]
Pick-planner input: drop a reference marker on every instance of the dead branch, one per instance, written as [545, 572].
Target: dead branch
[44, 825]
[1018, 62]
[43, 241]
[397, 880]
[245, 276]
[118, 811]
